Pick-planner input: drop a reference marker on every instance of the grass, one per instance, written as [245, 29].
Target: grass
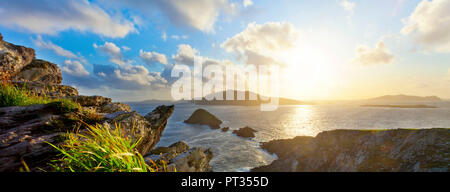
[101, 149]
[11, 95]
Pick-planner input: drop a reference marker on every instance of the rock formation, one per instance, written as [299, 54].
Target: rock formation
[40, 71]
[203, 117]
[149, 128]
[179, 157]
[420, 150]
[225, 129]
[246, 132]
[26, 131]
[14, 58]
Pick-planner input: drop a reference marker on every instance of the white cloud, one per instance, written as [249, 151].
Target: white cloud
[378, 55]
[74, 68]
[348, 6]
[258, 44]
[247, 3]
[429, 25]
[185, 54]
[114, 52]
[49, 45]
[197, 14]
[129, 77]
[125, 48]
[152, 57]
[46, 17]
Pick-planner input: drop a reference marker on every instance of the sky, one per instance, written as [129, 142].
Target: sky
[326, 49]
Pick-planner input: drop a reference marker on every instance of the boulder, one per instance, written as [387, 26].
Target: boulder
[114, 107]
[24, 132]
[225, 129]
[246, 132]
[91, 101]
[49, 90]
[401, 150]
[149, 128]
[14, 58]
[40, 71]
[203, 117]
[179, 157]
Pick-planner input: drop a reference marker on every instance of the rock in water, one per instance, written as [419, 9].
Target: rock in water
[203, 117]
[402, 150]
[225, 129]
[40, 71]
[181, 158]
[13, 57]
[149, 128]
[246, 132]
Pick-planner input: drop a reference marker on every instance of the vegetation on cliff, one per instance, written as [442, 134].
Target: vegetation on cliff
[11, 95]
[101, 149]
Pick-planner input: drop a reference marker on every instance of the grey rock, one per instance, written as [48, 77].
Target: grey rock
[13, 57]
[245, 132]
[149, 128]
[40, 71]
[114, 107]
[203, 117]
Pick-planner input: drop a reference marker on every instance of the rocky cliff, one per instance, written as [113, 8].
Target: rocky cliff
[409, 150]
[25, 130]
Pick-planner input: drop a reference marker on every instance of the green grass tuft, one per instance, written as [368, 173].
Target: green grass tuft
[11, 95]
[100, 150]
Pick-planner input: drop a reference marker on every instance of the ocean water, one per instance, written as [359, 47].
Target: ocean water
[233, 153]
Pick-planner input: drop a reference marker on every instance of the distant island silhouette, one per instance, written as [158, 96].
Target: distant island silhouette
[247, 101]
[404, 98]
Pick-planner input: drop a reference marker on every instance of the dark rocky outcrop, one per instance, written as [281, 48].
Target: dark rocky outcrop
[24, 132]
[179, 157]
[225, 129]
[40, 71]
[246, 132]
[409, 150]
[203, 117]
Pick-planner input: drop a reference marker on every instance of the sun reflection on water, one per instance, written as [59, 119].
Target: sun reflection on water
[300, 121]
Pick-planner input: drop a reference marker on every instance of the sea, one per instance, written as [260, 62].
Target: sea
[236, 154]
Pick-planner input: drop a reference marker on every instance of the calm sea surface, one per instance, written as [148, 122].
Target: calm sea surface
[232, 153]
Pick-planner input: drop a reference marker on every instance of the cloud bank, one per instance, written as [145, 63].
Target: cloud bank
[429, 25]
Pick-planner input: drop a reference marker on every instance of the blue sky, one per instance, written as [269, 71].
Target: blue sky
[404, 44]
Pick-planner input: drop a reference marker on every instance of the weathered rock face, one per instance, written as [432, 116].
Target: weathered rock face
[114, 107]
[419, 150]
[40, 71]
[181, 158]
[91, 101]
[149, 128]
[50, 90]
[203, 117]
[13, 58]
[24, 131]
[246, 132]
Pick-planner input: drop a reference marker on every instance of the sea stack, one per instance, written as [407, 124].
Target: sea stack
[203, 117]
[245, 132]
